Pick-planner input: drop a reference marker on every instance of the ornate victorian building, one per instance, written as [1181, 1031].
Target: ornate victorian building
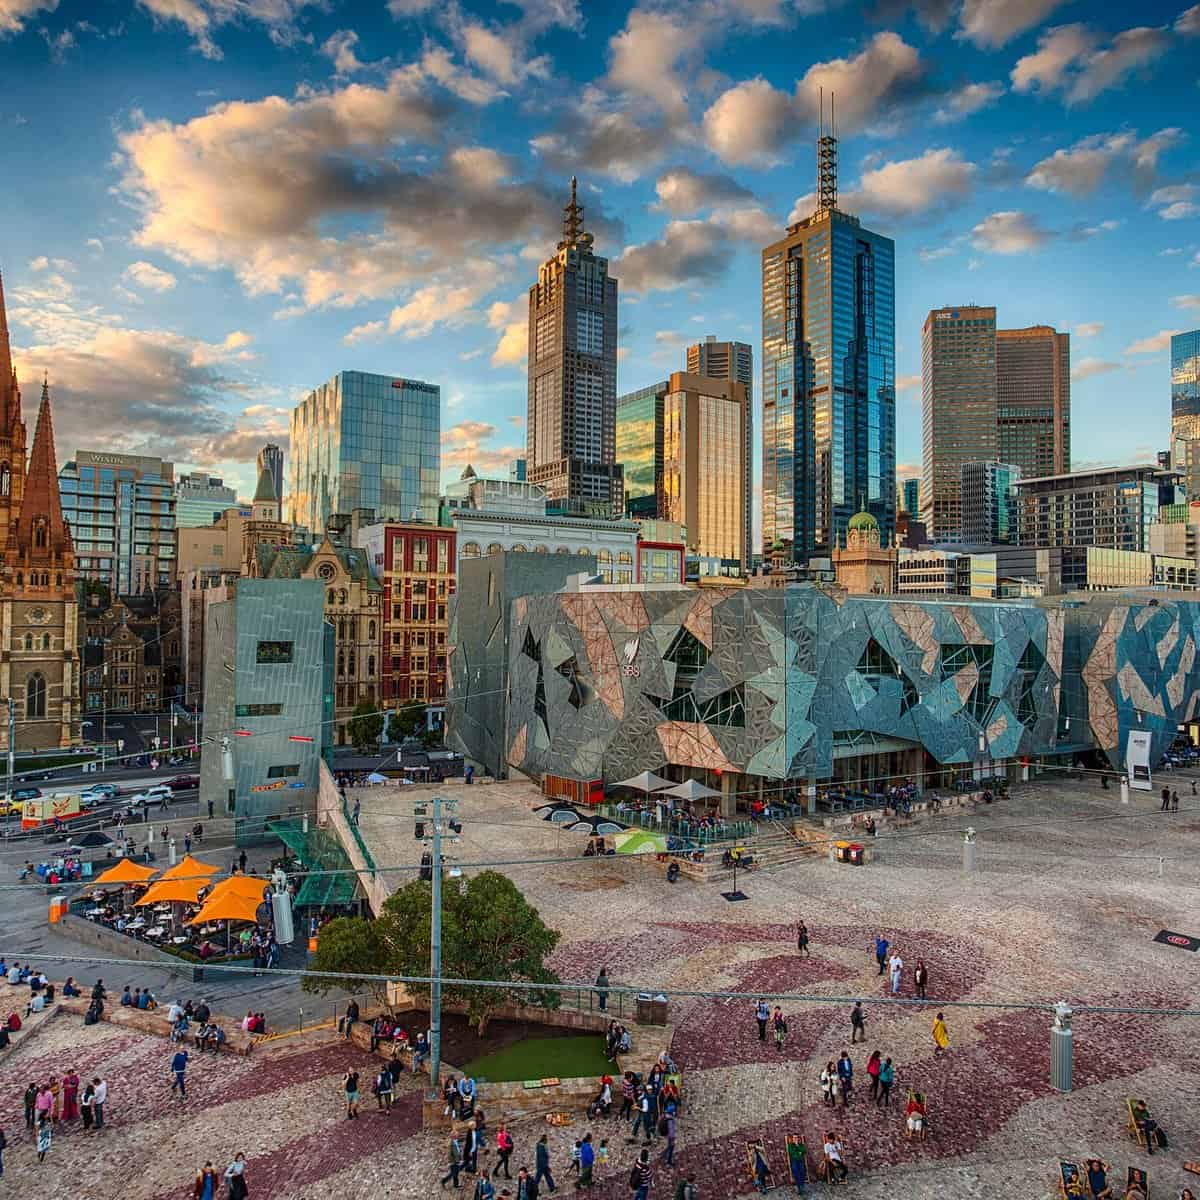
[39, 658]
[865, 567]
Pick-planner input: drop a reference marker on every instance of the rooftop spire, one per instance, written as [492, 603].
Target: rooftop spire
[573, 231]
[827, 157]
[41, 531]
[10, 397]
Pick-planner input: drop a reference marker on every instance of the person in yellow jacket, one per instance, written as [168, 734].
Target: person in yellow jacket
[941, 1035]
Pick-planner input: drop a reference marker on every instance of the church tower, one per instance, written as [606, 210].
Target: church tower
[12, 435]
[264, 527]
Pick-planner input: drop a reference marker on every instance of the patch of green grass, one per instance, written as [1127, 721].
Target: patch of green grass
[543, 1058]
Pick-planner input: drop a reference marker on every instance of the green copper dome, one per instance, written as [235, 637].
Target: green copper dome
[863, 520]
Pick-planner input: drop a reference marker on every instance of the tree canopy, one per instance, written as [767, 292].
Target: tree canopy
[365, 725]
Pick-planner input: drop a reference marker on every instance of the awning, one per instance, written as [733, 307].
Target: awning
[241, 885]
[126, 871]
[188, 865]
[229, 907]
[647, 781]
[175, 891]
[320, 890]
[692, 790]
[640, 841]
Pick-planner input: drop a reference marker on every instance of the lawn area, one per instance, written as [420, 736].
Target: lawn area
[543, 1058]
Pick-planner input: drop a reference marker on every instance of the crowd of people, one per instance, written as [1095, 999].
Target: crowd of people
[54, 1104]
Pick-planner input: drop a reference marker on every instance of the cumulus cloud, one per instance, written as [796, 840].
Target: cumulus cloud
[463, 444]
[1081, 168]
[1176, 202]
[682, 191]
[968, 99]
[201, 18]
[751, 122]
[15, 13]
[147, 275]
[992, 23]
[1156, 343]
[939, 179]
[1074, 60]
[1188, 21]
[1192, 301]
[1088, 368]
[1088, 329]
[512, 319]
[1009, 233]
[339, 48]
[908, 383]
[691, 251]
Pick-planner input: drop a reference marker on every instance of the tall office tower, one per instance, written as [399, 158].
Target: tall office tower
[1185, 408]
[730, 360]
[910, 495]
[989, 503]
[200, 498]
[365, 441]
[271, 457]
[828, 376]
[1033, 400]
[958, 410]
[640, 448]
[572, 415]
[706, 444]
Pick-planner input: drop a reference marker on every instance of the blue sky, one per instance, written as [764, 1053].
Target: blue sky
[212, 205]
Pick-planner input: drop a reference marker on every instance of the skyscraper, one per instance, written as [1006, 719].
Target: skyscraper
[910, 495]
[989, 502]
[958, 409]
[706, 445]
[640, 448]
[1033, 399]
[271, 457]
[1185, 408]
[200, 498]
[828, 376]
[365, 441]
[731, 360]
[572, 404]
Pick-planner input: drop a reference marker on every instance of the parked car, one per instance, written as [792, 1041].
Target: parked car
[105, 789]
[26, 793]
[158, 794]
[183, 783]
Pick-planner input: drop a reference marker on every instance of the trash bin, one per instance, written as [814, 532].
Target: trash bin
[651, 1010]
[855, 852]
[58, 909]
[841, 851]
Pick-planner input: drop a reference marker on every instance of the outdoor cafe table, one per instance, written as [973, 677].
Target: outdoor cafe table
[157, 932]
[137, 923]
[179, 941]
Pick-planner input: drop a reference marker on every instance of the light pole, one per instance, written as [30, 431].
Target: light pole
[435, 951]
[103, 715]
[12, 733]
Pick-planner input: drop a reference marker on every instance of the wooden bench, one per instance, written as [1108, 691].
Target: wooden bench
[750, 1161]
[1071, 1183]
[824, 1170]
[1132, 1127]
[926, 1122]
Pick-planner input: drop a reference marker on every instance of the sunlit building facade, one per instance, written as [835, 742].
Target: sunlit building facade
[1033, 399]
[640, 448]
[1185, 408]
[989, 502]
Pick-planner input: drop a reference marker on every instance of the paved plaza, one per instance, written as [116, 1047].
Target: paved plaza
[1071, 888]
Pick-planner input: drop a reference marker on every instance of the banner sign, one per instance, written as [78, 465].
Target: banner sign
[269, 787]
[1137, 760]
[1181, 941]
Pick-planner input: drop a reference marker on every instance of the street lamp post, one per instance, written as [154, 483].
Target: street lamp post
[12, 734]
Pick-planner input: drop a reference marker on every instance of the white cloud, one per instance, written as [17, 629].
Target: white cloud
[1088, 329]
[933, 253]
[968, 99]
[1192, 301]
[464, 443]
[939, 178]
[1089, 368]
[1176, 202]
[146, 275]
[437, 63]
[1188, 21]
[339, 49]
[647, 53]
[751, 122]
[14, 13]
[1009, 233]
[682, 191]
[480, 166]
[95, 244]
[367, 332]
[1156, 343]
[1179, 211]
[992, 23]
[439, 304]
[908, 383]
[202, 17]
[511, 318]
[1080, 169]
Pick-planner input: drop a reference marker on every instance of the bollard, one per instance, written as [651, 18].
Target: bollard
[969, 850]
[1061, 1048]
[1124, 790]
[171, 851]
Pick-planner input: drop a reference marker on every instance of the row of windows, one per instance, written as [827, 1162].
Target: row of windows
[471, 550]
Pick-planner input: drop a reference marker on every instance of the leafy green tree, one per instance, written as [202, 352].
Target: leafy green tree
[350, 945]
[365, 725]
[406, 721]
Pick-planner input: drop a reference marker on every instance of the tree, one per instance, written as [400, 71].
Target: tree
[350, 945]
[365, 725]
[489, 931]
[406, 721]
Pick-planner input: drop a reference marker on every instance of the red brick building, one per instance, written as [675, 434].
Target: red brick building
[414, 562]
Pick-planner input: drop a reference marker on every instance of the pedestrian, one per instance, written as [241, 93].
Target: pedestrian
[669, 1130]
[210, 809]
[504, 1149]
[686, 1189]
[1174, 802]
[887, 1076]
[164, 833]
[641, 1177]
[242, 861]
[873, 1065]
[587, 1164]
[484, 1189]
[829, 1084]
[44, 1104]
[881, 949]
[454, 1160]
[797, 1153]
[858, 1031]
[541, 1163]
[472, 1149]
[762, 1168]
[235, 1177]
[383, 1089]
[1166, 800]
[350, 1087]
[941, 1035]
[3, 1146]
[178, 1070]
[802, 940]
[70, 1095]
[780, 1027]
[31, 1093]
[87, 1105]
[1193, 787]
[762, 1014]
[920, 978]
[628, 1093]
[643, 1121]
[897, 969]
[187, 843]
[526, 1188]
[45, 1135]
[602, 989]
[845, 1074]
[206, 1183]
[352, 1014]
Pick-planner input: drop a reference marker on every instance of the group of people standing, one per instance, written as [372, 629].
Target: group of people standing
[48, 1106]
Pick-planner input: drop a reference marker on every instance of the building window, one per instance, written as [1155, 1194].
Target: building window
[539, 549]
[286, 771]
[274, 652]
[419, 612]
[563, 550]
[470, 550]
[45, 641]
[95, 700]
[258, 710]
[493, 548]
[420, 559]
[370, 631]
[35, 696]
[443, 555]
[123, 675]
[29, 641]
[371, 664]
[624, 558]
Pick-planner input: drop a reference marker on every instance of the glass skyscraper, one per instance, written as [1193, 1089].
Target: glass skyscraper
[1185, 409]
[640, 448]
[365, 441]
[828, 381]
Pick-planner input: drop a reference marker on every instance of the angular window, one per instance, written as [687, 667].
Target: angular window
[274, 652]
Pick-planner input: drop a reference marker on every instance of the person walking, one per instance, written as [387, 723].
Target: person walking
[1166, 800]
[187, 843]
[920, 978]
[45, 1135]
[897, 970]
[178, 1070]
[642, 1120]
[802, 940]
[602, 989]
[669, 1131]
[587, 1164]
[1174, 802]
[484, 1189]
[628, 1095]
[881, 949]
[780, 1028]
[454, 1160]
[526, 1188]
[762, 1014]
[829, 1084]
[87, 1102]
[686, 1189]
[70, 1095]
[44, 1104]
[504, 1149]
[641, 1177]
[350, 1087]
[206, 1184]
[845, 1074]
[858, 1019]
[941, 1035]
[887, 1076]
[383, 1089]
[210, 810]
[31, 1094]
[235, 1177]
[873, 1065]
[542, 1163]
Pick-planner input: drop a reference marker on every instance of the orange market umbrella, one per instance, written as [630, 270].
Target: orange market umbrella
[188, 865]
[176, 891]
[126, 871]
[227, 907]
[241, 885]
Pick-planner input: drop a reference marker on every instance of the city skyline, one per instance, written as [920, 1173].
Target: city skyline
[184, 288]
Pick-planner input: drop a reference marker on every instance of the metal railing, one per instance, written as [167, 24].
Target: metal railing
[678, 826]
[352, 824]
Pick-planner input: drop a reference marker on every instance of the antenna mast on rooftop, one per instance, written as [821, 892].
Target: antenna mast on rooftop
[827, 157]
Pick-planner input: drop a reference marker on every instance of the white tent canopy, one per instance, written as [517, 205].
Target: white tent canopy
[647, 781]
[691, 790]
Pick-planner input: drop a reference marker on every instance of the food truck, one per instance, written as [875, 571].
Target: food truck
[45, 810]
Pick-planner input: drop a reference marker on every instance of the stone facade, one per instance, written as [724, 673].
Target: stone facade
[863, 566]
[139, 639]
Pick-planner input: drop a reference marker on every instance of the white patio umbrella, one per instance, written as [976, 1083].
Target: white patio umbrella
[647, 781]
[691, 790]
